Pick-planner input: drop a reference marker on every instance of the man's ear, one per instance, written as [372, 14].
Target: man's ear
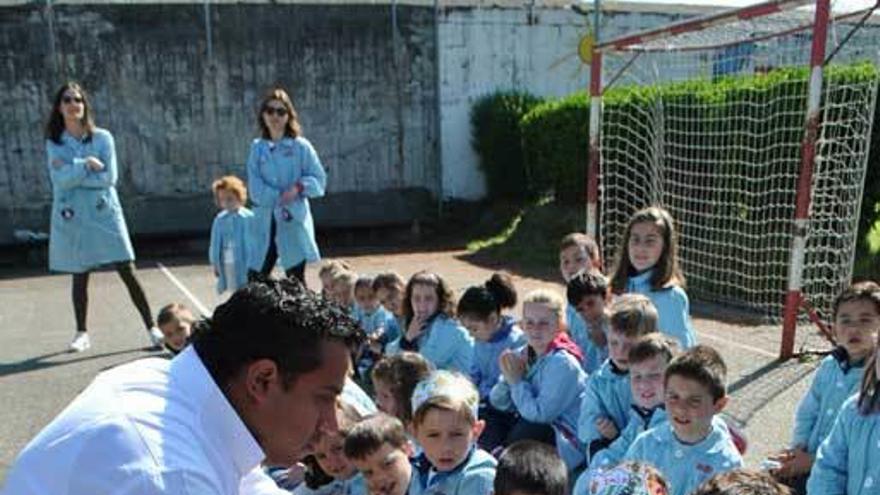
[259, 378]
[721, 403]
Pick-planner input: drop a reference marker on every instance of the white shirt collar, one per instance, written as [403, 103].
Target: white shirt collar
[220, 422]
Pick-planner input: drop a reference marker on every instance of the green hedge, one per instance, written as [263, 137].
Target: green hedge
[497, 141]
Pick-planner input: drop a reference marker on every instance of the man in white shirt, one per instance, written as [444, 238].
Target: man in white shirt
[260, 378]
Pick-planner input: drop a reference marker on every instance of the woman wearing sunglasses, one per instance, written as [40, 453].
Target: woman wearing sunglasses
[283, 172]
[87, 225]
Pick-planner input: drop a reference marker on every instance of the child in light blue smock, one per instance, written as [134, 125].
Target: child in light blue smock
[848, 460]
[648, 359]
[692, 446]
[587, 294]
[374, 319]
[579, 254]
[229, 234]
[329, 455]
[856, 313]
[605, 410]
[284, 172]
[430, 328]
[342, 292]
[480, 310]
[446, 427]
[649, 265]
[544, 382]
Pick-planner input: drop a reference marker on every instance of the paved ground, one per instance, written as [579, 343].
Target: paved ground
[38, 378]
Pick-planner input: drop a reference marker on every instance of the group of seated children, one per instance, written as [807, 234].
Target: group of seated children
[606, 390]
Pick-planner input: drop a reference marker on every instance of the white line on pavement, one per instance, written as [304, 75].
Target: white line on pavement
[198, 304]
[737, 344]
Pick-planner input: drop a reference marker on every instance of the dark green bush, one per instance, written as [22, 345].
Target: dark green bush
[497, 141]
[555, 140]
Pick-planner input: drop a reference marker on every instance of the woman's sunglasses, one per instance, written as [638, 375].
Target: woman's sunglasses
[279, 111]
[72, 99]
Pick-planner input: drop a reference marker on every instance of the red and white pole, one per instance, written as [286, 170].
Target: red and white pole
[594, 155]
[805, 181]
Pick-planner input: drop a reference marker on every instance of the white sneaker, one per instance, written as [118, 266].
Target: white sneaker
[81, 342]
[156, 337]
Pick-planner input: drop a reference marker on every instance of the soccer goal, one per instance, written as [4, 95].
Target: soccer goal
[753, 128]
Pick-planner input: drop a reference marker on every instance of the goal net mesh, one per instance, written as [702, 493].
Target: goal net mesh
[709, 124]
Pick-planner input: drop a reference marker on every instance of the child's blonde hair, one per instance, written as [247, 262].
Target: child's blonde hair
[345, 276]
[548, 298]
[332, 267]
[448, 391]
[231, 184]
[634, 315]
[666, 271]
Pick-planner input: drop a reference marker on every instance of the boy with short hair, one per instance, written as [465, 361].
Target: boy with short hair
[528, 467]
[380, 449]
[343, 291]
[606, 405]
[691, 446]
[587, 293]
[175, 322]
[446, 426]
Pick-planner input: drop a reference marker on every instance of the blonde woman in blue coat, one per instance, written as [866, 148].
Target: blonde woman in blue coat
[283, 173]
[87, 225]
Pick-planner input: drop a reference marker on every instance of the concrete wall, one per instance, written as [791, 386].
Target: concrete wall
[384, 92]
[523, 46]
[183, 109]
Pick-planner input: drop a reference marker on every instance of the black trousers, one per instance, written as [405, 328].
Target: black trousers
[297, 271]
[80, 294]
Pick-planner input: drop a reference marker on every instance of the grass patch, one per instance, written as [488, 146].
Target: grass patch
[531, 238]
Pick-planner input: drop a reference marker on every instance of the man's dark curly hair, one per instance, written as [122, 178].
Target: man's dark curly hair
[279, 320]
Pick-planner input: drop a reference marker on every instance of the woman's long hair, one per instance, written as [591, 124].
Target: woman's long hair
[55, 123]
[293, 128]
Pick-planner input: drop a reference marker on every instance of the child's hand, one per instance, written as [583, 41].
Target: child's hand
[606, 428]
[795, 462]
[415, 329]
[513, 366]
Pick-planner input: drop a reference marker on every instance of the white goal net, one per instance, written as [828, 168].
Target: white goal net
[709, 124]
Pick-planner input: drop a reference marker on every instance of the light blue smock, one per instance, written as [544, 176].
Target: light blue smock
[445, 344]
[848, 461]
[834, 382]
[608, 395]
[271, 170]
[579, 330]
[672, 306]
[550, 393]
[356, 485]
[87, 224]
[475, 476]
[639, 422]
[230, 227]
[486, 371]
[685, 467]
